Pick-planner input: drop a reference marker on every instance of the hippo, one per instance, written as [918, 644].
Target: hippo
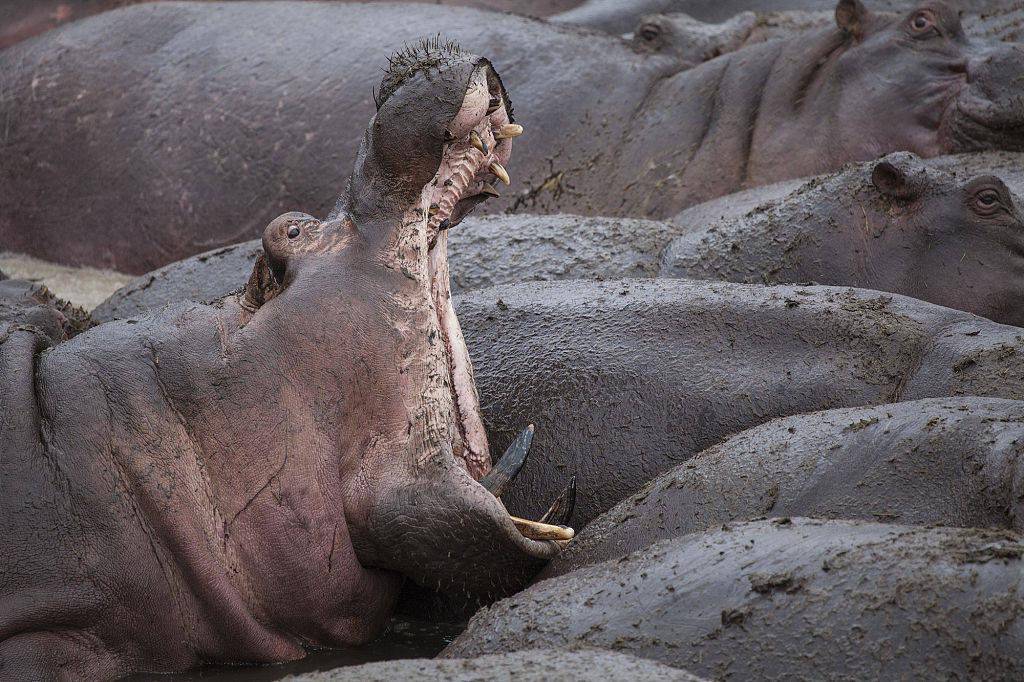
[941, 461]
[495, 249]
[627, 379]
[640, 136]
[32, 305]
[787, 598]
[22, 19]
[231, 482]
[695, 41]
[538, 665]
[891, 225]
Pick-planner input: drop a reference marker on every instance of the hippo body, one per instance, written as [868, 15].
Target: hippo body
[231, 482]
[892, 225]
[941, 461]
[794, 599]
[627, 379]
[641, 136]
[539, 665]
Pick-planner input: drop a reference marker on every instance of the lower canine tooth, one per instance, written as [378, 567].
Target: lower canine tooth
[500, 171]
[542, 531]
[508, 130]
[474, 139]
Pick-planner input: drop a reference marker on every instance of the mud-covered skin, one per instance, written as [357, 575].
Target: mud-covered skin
[682, 36]
[26, 305]
[482, 252]
[789, 598]
[641, 136]
[536, 665]
[891, 225]
[942, 461]
[622, 16]
[625, 380]
[228, 483]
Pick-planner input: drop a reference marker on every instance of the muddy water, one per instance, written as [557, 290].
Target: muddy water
[404, 638]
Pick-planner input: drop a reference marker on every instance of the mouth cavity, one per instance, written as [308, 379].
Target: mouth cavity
[478, 145]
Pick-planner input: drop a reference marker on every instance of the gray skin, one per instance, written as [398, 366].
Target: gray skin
[794, 599]
[229, 483]
[22, 19]
[638, 135]
[942, 461]
[625, 380]
[621, 16]
[482, 252]
[694, 41]
[535, 665]
[892, 225]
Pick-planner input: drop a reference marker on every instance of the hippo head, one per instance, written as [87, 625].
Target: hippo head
[361, 302]
[689, 40]
[936, 90]
[958, 242]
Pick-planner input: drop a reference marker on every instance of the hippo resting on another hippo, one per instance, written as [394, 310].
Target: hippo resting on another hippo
[956, 240]
[228, 482]
[892, 225]
[616, 132]
[793, 599]
[942, 461]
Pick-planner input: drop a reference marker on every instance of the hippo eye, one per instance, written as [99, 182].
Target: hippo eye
[294, 232]
[923, 22]
[987, 199]
[649, 33]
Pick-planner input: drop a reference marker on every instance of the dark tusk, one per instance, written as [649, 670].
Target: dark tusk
[562, 508]
[507, 468]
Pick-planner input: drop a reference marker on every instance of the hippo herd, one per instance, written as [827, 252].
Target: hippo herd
[742, 311]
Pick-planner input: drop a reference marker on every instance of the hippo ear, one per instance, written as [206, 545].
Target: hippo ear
[850, 16]
[893, 181]
[262, 285]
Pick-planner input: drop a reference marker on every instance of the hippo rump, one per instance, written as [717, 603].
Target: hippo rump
[21, 19]
[941, 461]
[229, 483]
[638, 135]
[627, 379]
[496, 249]
[891, 225]
[536, 665]
[794, 599]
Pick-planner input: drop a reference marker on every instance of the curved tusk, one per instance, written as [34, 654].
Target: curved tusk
[535, 530]
[562, 507]
[507, 468]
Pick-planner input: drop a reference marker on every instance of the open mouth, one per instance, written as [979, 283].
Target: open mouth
[478, 145]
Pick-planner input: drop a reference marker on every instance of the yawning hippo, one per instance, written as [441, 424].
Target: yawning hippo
[628, 379]
[892, 225]
[788, 599]
[614, 132]
[942, 461]
[228, 482]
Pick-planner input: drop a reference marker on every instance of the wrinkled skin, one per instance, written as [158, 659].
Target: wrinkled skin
[948, 462]
[625, 380]
[892, 225]
[788, 599]
[22, 19]
[229, 482]
[640, 136]
[693, 41]
[621, 16]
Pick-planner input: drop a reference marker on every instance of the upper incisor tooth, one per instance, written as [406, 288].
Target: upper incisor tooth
[500, 171]
[474, 139]
[508, 130]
